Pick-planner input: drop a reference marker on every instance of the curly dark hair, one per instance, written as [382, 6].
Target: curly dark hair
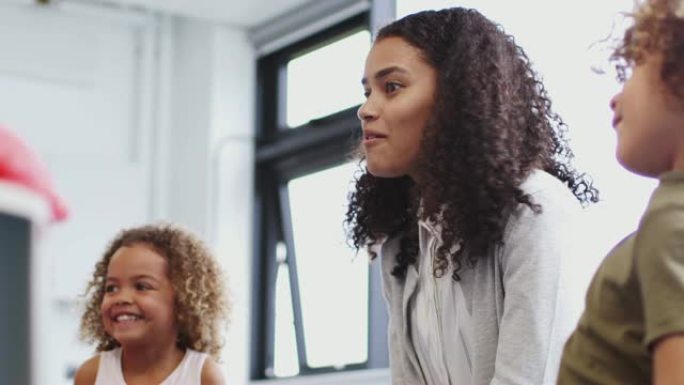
[201, 303]
[492, 125]
[658, 29]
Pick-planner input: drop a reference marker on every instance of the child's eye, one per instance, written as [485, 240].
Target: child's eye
[623, 72]
[142, 286]
[110, 288]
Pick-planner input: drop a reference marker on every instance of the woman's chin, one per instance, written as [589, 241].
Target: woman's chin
[383, 173]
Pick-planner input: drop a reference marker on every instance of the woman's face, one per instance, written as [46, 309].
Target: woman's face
[400, 89]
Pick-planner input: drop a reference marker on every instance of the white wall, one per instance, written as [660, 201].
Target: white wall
[140, 116]
[208, 162]
[70, 81]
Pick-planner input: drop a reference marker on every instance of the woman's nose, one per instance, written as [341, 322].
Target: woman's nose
[366, 112]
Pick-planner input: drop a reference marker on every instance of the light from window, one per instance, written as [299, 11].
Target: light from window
[326, 80]
[333, 282]
[286, 362]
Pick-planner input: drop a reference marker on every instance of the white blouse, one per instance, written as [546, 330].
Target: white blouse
[441, 327]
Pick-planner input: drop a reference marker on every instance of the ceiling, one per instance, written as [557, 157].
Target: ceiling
[239, 13]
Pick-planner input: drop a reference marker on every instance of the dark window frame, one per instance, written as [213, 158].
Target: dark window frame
[282, 154]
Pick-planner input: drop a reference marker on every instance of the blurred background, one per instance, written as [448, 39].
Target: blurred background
[237, 119]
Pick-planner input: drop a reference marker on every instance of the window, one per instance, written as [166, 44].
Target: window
[330, 74]
[317, 305]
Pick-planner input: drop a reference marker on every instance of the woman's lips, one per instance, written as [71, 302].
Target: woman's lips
[370, 137]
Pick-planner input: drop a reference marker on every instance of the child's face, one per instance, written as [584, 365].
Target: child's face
[400, 88]
[648, 121]
[138, 304]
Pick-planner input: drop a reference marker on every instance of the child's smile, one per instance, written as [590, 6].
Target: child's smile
[126, 319]
[138, 303]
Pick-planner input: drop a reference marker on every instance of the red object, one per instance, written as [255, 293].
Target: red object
[20, 164]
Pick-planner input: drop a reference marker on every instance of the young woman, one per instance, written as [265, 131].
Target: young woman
[469, 200]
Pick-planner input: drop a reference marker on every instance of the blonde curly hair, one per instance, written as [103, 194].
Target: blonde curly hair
[658, 28]
[201, 304]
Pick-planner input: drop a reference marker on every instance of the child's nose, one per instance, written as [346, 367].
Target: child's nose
[614, 101]
[123, 301]
[123, 297]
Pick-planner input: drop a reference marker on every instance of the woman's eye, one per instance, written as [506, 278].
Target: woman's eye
[391, 87]
[366, 93]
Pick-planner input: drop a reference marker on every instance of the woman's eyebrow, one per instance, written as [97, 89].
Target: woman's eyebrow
[384, 72]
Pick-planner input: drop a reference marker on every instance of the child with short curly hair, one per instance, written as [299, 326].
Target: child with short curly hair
[632, 330]
[155, 308]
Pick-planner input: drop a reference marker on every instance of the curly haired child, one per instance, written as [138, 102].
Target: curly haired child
[155, 308]
[632, 330]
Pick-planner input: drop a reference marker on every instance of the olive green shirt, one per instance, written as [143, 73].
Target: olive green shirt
[635, 298]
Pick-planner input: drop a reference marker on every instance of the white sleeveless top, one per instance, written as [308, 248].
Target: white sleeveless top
[188, 372]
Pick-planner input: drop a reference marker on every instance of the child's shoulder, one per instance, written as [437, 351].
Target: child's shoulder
[87, 372]
[211, 373]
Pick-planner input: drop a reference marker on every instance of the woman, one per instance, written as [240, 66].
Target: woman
[469, 199]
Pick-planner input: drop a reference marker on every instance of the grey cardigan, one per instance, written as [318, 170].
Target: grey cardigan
[524, 300]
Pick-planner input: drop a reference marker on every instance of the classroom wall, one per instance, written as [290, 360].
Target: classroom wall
[140, 116]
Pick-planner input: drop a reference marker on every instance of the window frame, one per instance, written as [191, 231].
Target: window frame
[282, 154]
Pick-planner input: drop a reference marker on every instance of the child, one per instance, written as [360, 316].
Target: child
[155, 307]
[632, 330]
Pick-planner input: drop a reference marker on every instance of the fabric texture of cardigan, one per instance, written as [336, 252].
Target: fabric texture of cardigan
[524, 300]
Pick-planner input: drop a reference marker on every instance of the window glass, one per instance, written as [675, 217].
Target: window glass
[326, 80]
[286, 361]
[333, 281]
